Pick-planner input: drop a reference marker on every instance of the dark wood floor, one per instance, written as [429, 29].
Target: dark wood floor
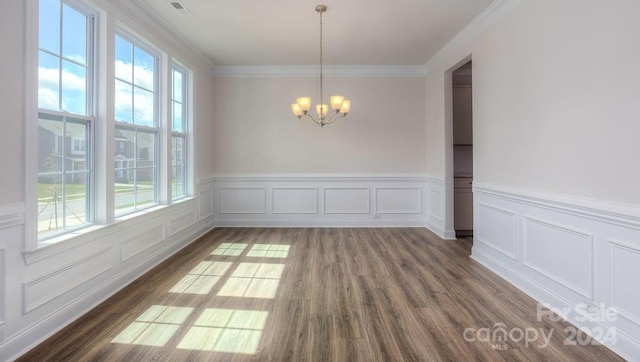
[337, 294]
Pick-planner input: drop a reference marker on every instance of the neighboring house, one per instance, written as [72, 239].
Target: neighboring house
[54, 144]
[73, 145]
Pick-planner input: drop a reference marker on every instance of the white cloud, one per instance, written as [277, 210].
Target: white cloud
[143, 77]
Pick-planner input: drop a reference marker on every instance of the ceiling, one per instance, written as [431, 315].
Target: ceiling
[286, 32]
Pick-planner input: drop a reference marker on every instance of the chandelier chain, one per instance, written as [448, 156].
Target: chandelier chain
[321, 90]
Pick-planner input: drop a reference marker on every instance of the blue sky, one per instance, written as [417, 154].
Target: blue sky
[63, 60]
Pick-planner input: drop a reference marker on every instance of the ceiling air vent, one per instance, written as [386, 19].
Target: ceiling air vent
[180, 7]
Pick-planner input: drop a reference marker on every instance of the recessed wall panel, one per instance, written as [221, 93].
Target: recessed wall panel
[346, 200]
[496, 227]
[243, 200]
[560, 253]
[141, 241]
[435, 204]
[398, 201]
[625, 270]
[295, 200]
[47, 287]
[205, 204]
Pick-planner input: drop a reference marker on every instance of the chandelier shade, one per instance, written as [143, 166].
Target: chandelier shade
[340, 106]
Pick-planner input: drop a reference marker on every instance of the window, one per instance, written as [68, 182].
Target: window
[65, 117]
[69, 174]
[136, 127]
[178, 133]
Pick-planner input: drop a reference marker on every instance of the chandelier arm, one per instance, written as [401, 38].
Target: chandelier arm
[334, 117]
[311, 119]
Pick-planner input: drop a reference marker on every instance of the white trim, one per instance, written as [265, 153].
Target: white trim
[400, 71]
[622, 215]
[316, 177]
[342, 223]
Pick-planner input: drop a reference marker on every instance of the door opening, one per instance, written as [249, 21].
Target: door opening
[462, 107]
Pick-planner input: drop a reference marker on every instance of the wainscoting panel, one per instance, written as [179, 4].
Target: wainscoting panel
[205, 204]
[436, 209]
[347, 200]
[47, 287]
[323, 200]
[243, 200]
[205, 199]
[625, 264]
[569, 253]
[561, 254]
[182, 222]
[398, 201]
[142, 240]
[496, 228]
[292, 200]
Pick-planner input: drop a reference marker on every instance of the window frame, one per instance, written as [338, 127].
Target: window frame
[88, 119]
[184, 135]
[138, 42]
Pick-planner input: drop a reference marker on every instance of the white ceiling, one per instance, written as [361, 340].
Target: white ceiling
[286, 32]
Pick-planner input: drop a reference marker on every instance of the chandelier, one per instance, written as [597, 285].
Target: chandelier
[339, 105]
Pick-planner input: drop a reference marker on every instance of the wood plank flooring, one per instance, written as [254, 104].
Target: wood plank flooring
[334, 295]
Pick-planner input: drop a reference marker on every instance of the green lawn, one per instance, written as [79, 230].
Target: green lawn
[77, 191]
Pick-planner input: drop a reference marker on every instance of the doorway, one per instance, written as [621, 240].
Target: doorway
[462, 148]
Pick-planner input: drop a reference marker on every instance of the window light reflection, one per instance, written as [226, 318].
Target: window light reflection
[253, 280]
[155, 326]
[226, 330]
[202, 278]
[230, 249]
[269, 251]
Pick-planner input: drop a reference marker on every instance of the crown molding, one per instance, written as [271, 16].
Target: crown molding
[163, 31]
[491, 15]
[408, 71]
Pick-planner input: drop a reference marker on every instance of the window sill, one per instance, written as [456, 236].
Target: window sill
[72, 240]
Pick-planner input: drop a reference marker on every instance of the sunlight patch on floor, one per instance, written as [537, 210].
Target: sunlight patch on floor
[202, 278]
[253, 280]
[155, 326]
[226, 330]
[269, 251]
[230, 249]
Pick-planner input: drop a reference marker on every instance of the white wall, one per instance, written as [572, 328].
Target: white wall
[42, 291]
[556, 89]
[256, 133]
[11, 96]
[274, 170]
[557, 209]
